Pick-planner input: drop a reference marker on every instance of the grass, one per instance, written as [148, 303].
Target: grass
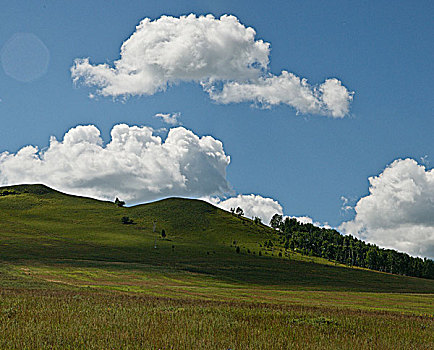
[73, 276]
[95, 320]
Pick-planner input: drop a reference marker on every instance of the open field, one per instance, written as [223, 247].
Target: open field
[73, 276]
[37, 319]
[116, 307]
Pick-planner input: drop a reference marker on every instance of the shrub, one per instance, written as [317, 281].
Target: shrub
[127, 221]
[7, 193]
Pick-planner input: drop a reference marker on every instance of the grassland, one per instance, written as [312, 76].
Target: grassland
[73, 276]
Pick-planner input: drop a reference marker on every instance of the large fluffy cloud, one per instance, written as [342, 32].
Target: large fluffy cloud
[169, 50]
[135, 165]
[221, 54]
[399, 210]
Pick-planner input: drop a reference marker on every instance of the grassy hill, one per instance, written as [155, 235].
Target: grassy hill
[41, 224]
[63, 255]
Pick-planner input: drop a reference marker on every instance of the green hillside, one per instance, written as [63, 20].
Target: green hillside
[74, 276]
[46, 226]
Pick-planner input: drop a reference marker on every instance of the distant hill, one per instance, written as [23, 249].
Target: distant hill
[43, 225]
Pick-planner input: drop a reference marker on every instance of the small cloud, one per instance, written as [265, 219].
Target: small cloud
[169, 118]
[425, 160]
[160, 131]
[345, 204]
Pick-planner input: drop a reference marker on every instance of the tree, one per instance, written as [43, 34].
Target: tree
[239, 212]
[330, 244]
[119, 203]
[276, 221]
[237, 249]
[163, 233]
[257, 220]
[372, 258]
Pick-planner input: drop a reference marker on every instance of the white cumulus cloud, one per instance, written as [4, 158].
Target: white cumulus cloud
[135, 165]
[221, 54]
[398, 213]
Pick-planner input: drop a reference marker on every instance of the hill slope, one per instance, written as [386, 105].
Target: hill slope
[43, 226]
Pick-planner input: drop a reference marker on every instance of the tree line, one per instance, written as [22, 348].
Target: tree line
[309, 239]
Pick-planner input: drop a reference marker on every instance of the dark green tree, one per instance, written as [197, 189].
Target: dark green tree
[372, 258]
[119, 203]
[276, 221]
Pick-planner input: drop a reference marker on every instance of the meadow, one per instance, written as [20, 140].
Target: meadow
[73, 276]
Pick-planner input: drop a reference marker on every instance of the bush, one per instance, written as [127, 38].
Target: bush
[7, 193]
[127, 221]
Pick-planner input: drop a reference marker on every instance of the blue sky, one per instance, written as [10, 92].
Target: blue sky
[381, 50]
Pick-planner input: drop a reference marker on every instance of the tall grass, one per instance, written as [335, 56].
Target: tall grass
[87, 320]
